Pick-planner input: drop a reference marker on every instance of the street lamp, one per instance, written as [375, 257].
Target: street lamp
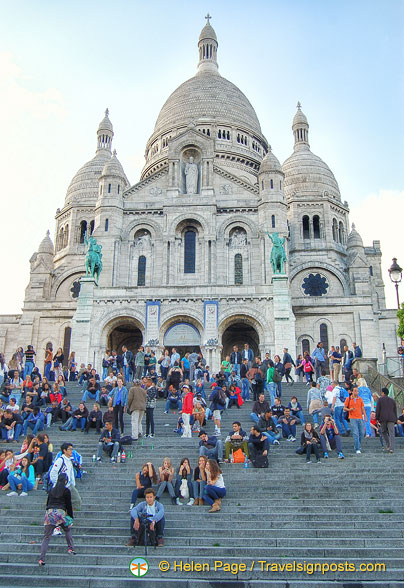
[396, 274]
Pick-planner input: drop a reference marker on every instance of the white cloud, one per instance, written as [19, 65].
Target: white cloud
[380, 217]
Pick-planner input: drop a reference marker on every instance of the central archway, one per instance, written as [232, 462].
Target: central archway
[124, 331]
[238, 333]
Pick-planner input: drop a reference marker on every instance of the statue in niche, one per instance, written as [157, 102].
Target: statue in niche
[143, 240]
[238, 239]
[278, 255]
[191, 177]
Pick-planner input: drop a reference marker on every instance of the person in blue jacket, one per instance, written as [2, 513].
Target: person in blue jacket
[154, 511]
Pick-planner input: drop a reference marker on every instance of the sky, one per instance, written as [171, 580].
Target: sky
[63, 62]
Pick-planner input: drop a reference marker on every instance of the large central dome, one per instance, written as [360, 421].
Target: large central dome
[208, 97]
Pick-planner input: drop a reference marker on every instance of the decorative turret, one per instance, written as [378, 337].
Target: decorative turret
[300, 128]
[208, 48]
[105, 134]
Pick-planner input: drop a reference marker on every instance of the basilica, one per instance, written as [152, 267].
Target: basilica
[188, 250]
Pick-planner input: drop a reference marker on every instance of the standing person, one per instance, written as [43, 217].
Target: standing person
[288, 363]
[279, 367]
[308, 368]
[235, 360]
[175, 357]
[106, 363]
[357, 351]
[386, 415]
[319, 359]
[336, 359]
[137, 407]
[187, 410]
[151, 395]
[63, 464]
[185, 366]
[72, 367]
[139, 361]
[215, 489]
[119, 402]
[347, 363]
[127, 358]
[59, 513]
[225, 367]
[29, 361]
[357, 417]
[48, 361]
[164, 362]
[245, 383]
[248, 354]
[58, 359]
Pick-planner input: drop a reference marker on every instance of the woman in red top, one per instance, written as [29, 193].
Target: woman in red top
[187, 410]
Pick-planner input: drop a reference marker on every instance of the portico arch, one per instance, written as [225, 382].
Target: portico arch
[123, 330]
[238, 330]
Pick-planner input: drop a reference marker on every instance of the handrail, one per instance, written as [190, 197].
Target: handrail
[376, 381]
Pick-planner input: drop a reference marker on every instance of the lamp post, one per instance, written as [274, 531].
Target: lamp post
[396, 274]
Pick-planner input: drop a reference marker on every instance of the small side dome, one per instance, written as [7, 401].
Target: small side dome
[270, 163]
[354, 239]
[46, 245]
[114, 168]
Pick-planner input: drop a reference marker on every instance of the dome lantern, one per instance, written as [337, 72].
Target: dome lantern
[207, 46]
[105, 134]
[300, 128]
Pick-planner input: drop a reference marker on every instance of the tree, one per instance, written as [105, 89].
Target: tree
[400, 314]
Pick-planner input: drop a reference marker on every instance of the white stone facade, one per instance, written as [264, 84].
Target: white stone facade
[203, 258]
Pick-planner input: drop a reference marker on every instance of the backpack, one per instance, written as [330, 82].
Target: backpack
[308, 367]
[221, 397]
[276, 377]
[341, 395]
[46, 481]
[126, 440]
[260, 461]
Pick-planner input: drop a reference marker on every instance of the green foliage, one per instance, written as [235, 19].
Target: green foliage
[400, 315]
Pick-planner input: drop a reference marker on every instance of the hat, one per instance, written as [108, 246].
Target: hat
[186, 386]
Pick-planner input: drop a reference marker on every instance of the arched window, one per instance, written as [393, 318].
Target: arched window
[324, 336]
[342, 344]
[273, 221]
[305, 345]
[306, 227]
[109, 188]
[335, 229]
[91, 227]
[316, 226]
[83, 230]
[141, 271]
[189, 252]
[238, 269]
[60, 240]
[272, 184]
[119, 188]
[341, 236]
[106, 224]
[66, 344]
[66, 238]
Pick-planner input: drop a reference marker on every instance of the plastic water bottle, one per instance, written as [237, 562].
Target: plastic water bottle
[231, 457]
[93, 458]
[119, 457]
[130, 454]
[123, 456]
[245, 462]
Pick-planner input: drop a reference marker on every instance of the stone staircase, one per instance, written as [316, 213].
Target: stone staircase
[330, 513]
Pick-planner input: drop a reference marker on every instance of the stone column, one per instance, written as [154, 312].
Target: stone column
[82, 322]
[284, 319]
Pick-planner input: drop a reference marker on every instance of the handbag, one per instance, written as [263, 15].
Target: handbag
[288, 366]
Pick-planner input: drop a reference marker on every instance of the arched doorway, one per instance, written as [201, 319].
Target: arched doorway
[239, 333]
[125, 332]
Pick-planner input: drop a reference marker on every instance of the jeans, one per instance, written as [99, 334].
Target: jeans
[47, 370]
[149, 421]
[83, 422]
[199, 488]
[236, 368]
[214, 453]
[104, 373]
[318, 366]
[36, 427]
[92, 396]
[212, 493]
[340, 421]
[137, 493]
[312, 447]
[126, 373]
[254, 417]
[165, 486]
[14, 482]
[288, 430]
[29, 366]
[158, 527]
[368, 410]
[17, 432]
[110, 448]
[245, 389]
[272, 437]
[299, 414]
[335, 443]
[272, 392]
[173, 405]
[358, 430]
[400, 430]
[68, 424]
[278, 389]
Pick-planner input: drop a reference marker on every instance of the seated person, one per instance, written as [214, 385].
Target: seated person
[278, 410]
[105, 395]
[258, 443]
[215, 489]
[55, 394]
[11, 426]
[288, 423]
[109, 442]
[23, 476]
[173, 400]
[199, 416]
[199, 481]
[108, 416]
[110, 380]
[236, 439]
[34, 421]
[149, 512]
[27, 408]
[78, 416]
[184, 472]
[329, 432]
[7, 465]
[260, 406]
[66, 410]
[92, 391]
[268, 427]
[53, 413]
[94, 419]
[234, 397]
[165, 478]
[296, 409]
[211, 447]
[309, 442]
[144, 479]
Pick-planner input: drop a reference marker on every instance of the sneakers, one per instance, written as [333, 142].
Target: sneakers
[218, 433]
[358, 451]
[340, 455]
[24, 494]
[178, 501]
[166, 412]
[325, 455]
[41, 562]
[12, 494]
[276, 442]
[293, 439]
[190, 502]
[99, 459]
[151, 436]
[308, 461]
[112, 460]
[71, 551]
[290, 438]
[318, 460]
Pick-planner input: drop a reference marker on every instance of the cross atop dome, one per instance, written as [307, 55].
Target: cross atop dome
[298, 106]
[208, 17]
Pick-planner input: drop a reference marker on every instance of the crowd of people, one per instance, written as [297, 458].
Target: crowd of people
[338, 401]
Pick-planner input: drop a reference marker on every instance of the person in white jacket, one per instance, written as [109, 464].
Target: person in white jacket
[63, 464]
